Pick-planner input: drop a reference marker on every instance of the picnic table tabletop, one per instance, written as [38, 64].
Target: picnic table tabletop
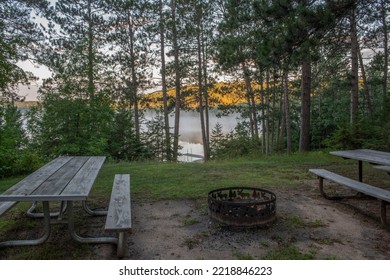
[372, 156]
[63, 179]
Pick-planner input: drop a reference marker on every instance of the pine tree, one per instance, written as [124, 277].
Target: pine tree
[76, 104]
[21, 38]
[130, 48]
[174, 38]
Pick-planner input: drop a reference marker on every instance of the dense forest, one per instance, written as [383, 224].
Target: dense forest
[303, 74]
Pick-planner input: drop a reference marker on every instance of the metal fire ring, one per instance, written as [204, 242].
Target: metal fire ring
[242, 206]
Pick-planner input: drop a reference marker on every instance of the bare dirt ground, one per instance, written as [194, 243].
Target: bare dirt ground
[312, 225]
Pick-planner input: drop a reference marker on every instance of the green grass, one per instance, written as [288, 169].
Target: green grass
[156, 181]
[153, 181]
[289, 252]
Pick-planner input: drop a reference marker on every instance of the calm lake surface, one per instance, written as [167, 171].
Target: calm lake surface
[190, 130]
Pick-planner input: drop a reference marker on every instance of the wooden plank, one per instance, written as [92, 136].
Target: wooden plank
[34, 180]
[119, 210]
[57, 182]
[372, 156]
[82, 182]
[355, 185]
[383, 168]
[5, 206]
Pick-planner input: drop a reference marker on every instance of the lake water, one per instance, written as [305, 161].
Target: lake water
[190, 130]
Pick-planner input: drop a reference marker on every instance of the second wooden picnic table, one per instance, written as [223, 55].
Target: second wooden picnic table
[367, 155]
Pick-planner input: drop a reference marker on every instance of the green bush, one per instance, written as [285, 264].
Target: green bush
[234, 144]
[15, 157]
[364, 134]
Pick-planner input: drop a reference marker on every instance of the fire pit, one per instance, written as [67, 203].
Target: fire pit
[242, 206]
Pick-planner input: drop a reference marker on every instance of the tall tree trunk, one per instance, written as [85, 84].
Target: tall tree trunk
[304, 139]
[200, 86]
[263, 130]
[205, 93]
[365, 85]
[281, 120]
[91, 57]
[274, 122]
[251, 105]
[134, 82]
[287, 111]
[164, 84]
[90, 72]
[354, 70]
[177, 81]
[282, 115]
[267, 142]
[386, 97]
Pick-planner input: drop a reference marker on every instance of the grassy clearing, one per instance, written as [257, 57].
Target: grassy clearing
[153, 181]
[156, 180]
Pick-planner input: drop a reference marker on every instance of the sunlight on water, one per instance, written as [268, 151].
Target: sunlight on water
[190, 131]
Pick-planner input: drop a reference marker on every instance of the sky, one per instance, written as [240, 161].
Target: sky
[42, 72]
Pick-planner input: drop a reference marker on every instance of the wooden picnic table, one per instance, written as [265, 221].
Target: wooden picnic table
[65, 179]
[367, 155]
[372, 156]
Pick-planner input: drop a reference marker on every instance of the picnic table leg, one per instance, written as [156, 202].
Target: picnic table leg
[383, 212]
[121, 248]
[93, 212]
[32, 214]
[46, 221]
[360, 171]
[321, 185]
[75, 236]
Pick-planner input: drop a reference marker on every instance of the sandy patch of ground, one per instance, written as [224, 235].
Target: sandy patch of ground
[315, 226]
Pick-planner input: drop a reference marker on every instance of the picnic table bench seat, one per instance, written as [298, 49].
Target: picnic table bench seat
[119, 211]
[383, 167]
[360, 187]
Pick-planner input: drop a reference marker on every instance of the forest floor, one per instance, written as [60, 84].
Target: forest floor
[307, 227]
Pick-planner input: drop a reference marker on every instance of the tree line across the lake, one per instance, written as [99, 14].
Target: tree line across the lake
[303, 74]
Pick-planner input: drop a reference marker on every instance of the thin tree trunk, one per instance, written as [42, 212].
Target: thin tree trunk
[365, 85]
[282, 117]
[263, 149]
[354, 70]
[304, 139]
[164, 84]
[274, 126]
[200, 87]
[287, 111]
[386, 52]
[91, 57]
[267, 142]
[205, 93]
[177, 82]
[281, 121]
[134, 82]
[252, 105]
